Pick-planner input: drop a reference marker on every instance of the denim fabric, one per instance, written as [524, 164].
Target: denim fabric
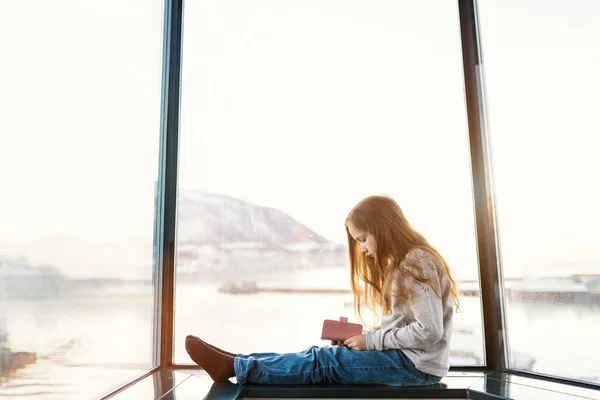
[336, 364]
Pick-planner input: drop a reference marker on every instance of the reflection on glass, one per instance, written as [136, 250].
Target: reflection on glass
[541, 62]
[156, 385]
[283, 130]
[78, 159]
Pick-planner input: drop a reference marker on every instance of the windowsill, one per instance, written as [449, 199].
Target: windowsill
[189, 383]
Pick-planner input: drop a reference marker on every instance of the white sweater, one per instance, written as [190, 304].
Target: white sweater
[422, 331]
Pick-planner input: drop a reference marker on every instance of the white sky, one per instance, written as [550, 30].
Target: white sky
[306, 106]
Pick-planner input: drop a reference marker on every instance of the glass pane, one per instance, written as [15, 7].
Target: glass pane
[542, 63]
[79, 125]
[292, 111]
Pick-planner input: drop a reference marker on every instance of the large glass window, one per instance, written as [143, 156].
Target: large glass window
[542, 62]
[79, 124]
[292, 111]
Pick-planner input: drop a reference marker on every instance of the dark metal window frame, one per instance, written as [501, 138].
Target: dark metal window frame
[490, 272]
[166, 187]
[483, 195]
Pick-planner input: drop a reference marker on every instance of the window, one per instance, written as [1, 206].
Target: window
[79, 128]
[292, 111]
[541, 61]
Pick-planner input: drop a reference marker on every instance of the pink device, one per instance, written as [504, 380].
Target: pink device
[340, 330]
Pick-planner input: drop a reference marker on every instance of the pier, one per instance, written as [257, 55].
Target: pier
[574, 289]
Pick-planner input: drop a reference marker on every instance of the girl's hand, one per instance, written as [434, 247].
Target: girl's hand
[357, 342]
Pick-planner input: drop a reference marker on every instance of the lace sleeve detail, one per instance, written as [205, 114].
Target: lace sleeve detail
[422, 268]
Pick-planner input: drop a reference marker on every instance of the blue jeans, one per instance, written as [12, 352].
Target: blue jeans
[336, 364]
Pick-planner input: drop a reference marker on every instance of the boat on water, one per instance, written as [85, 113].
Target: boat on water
[11, 361]
[12, 275]
[239, 288]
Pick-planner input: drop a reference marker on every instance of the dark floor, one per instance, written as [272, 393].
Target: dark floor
[188, 384]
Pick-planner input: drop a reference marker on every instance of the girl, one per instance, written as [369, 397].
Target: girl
[394, 272]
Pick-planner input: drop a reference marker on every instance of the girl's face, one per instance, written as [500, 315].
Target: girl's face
[365, 240]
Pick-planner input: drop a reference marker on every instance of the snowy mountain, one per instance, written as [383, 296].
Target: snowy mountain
[222, 221]
[225, 237]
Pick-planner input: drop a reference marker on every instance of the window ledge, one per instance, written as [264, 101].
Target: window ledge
[189, 383]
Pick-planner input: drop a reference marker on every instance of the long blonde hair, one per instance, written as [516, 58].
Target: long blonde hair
[372, 278]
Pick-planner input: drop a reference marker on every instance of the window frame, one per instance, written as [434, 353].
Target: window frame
[166, 187]
[488, 246]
